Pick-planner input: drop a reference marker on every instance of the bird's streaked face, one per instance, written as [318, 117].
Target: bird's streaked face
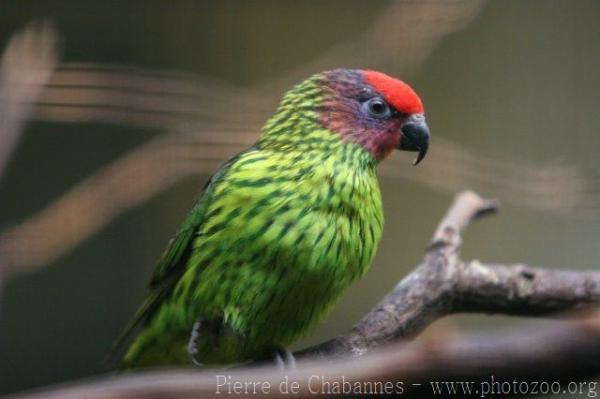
[376, 111]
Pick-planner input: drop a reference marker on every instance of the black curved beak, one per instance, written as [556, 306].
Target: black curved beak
[415, 136]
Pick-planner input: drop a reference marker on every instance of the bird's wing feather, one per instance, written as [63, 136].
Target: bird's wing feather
[173, 260]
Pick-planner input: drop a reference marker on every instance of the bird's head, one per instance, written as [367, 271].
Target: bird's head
[366, 108]
[374, 110]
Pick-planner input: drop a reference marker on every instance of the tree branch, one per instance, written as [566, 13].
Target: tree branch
[165, 100]
[444, 284]
[522, 290]
[568, 352]
[441, 285]
[25, 67]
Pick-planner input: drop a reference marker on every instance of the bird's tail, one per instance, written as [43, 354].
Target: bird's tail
[133, 327]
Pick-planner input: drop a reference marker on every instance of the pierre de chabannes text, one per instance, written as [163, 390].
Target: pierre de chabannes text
[323, 385]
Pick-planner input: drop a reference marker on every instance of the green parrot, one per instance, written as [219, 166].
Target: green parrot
[282, 228]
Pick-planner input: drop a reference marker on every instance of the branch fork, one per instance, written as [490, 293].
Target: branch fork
[378, 344]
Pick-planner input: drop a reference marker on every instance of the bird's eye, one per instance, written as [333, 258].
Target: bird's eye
[377, 107]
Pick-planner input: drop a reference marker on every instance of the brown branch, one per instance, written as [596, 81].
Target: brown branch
[25, 67]
[161, 162]
[161, 100]
[443, 284]
[153, 166]
[522, 290]
[563, 353]
[165, 100]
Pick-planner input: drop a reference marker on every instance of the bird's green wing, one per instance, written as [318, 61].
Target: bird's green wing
[173, 260]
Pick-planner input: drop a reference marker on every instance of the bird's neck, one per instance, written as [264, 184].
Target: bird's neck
[296, 128]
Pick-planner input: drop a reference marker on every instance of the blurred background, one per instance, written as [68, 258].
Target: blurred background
[113, 113]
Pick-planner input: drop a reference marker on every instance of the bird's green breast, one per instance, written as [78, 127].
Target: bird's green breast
[283, 235]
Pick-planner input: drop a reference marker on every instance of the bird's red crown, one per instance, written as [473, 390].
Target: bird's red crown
[397, 93]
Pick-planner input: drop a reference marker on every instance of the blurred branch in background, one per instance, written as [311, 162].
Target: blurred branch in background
[202, 132]
[564, 353]
[185, 103]
[25, 68]
[441, 285]
[26, 65]
[402, 37]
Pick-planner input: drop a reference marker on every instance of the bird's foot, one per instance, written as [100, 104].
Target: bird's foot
[284, 359]
[192, 347]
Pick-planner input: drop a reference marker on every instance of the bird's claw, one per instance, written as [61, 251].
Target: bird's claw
[284, 359]
[192, 347]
